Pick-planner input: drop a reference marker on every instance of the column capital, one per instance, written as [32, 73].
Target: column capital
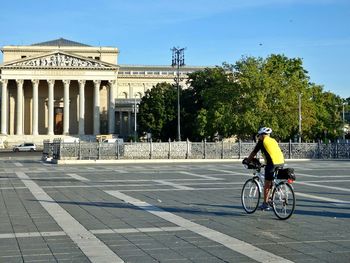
[35, 82]
[66, 82]
[4, 81]
[97, 83]
[112, 82]
[81, 82]
[20, 82]
[51, 82]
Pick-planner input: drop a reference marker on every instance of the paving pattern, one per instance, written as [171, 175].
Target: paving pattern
[166, 213]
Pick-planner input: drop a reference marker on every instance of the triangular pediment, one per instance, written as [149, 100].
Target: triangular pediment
[58, 59]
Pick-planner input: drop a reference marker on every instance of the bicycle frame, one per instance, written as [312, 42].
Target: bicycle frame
[259, 177]
[281, 195]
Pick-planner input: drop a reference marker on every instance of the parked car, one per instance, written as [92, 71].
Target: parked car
[71, 140]
[119, 140]
[25, 147]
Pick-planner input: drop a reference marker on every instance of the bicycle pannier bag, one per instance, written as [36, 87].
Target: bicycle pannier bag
[286, 173]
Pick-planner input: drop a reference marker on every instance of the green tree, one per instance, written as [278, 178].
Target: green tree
[207, 102]
[235, 100]
[270, 91]
[158, 112]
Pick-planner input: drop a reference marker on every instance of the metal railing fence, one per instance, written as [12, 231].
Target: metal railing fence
[186, 150]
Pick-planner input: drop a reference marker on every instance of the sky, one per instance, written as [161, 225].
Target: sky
[212, 31]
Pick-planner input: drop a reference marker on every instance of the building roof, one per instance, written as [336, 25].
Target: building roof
[61, 42]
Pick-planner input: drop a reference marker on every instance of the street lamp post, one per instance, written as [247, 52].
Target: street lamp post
[178, 60]
[135, 119]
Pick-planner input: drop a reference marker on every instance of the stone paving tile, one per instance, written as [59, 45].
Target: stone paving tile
[333, 257]
[95, 209]
[304, 258]
[12, 259]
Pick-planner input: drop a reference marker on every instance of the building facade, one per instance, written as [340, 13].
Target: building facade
[62, 87]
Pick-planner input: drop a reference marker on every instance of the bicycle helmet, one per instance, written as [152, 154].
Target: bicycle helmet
[264, 130]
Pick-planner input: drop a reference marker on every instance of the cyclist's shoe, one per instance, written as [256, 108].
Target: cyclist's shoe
[265, 207]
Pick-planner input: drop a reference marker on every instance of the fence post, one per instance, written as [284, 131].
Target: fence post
[59, 150]
[290, 149]
[75, 149]
[187, 149]
[222, 149]
[239, 149]
[98, 150]
[150, 148]
[79, 150]
[117, 149]
[89, 150]
[169, 153]
[337, 149]
[205, 149]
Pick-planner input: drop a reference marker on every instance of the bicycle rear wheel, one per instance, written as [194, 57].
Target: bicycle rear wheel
[283, 200]
[250, 196]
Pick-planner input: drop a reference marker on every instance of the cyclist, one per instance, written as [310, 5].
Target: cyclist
[273, 157]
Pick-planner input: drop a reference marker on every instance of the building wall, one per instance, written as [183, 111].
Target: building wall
[132, 81]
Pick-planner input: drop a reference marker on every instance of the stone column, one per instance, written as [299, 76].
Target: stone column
[19, 107]
[96, 109]
[35, 122]
[129, 124]
[81, 107]
[111, 107]
[4, 111]
[121, 123]
[66, 107]
[51, 106]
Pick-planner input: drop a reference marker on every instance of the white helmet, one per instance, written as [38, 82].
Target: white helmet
[265, 130]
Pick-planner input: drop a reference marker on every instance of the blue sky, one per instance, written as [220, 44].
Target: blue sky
[213, 31]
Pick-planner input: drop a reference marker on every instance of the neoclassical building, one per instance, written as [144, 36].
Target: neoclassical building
[62, 87]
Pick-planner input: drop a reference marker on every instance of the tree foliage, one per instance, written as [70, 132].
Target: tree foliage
[235, 100]
[157, 112]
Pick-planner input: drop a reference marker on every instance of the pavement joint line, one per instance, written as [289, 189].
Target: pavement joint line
[324, 186]
[78, 177]
[327, 181]
[174, 189]
[13, 187]
[33, 234]
[94, 231]
[332, 200]
[223, 171]
[177, 186]
[232, 243]
[320, 176]
[150, 180]
[84, 239]
[199, 175]
[133, 190]
[304, 242]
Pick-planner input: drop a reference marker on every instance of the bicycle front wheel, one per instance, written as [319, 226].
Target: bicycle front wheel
[283, 200]
[250, 196]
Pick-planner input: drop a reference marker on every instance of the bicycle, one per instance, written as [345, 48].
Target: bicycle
[282, 200]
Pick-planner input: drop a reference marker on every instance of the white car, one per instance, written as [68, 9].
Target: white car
[118, 140]
[25, 147]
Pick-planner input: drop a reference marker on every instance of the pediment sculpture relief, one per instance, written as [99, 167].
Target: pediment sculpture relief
[60, 60]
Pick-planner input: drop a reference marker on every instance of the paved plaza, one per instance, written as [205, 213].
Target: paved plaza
[179, 212]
